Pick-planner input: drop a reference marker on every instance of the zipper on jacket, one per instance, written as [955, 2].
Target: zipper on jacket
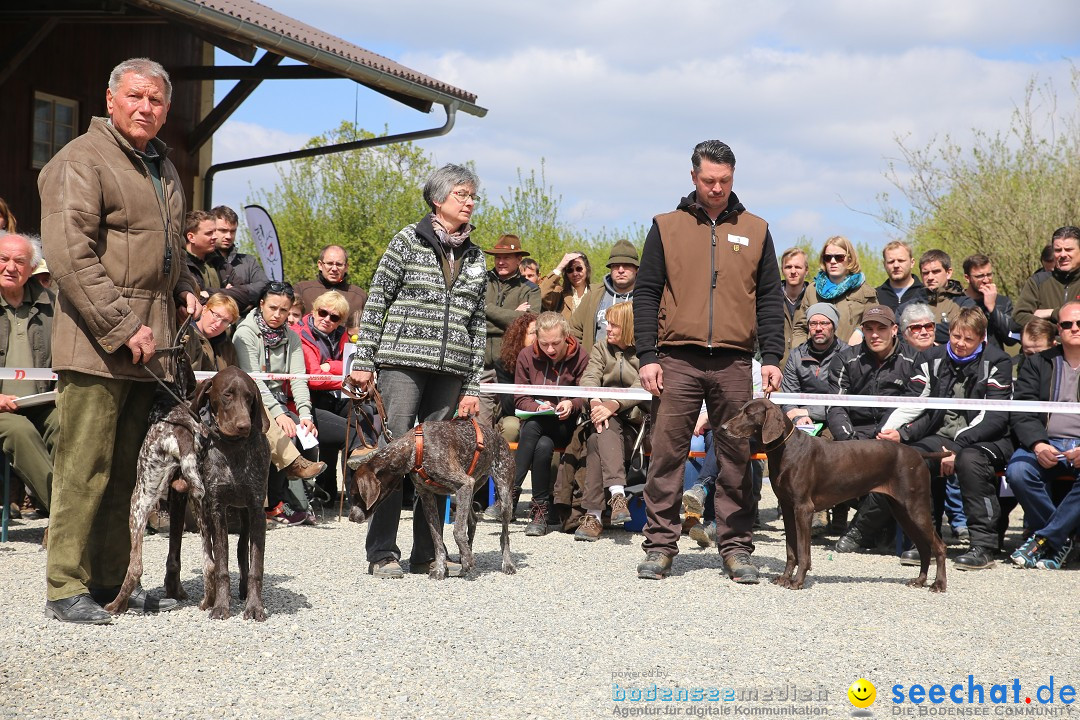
[712, 271]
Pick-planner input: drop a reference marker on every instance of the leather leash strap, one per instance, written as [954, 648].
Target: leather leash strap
[418, 467]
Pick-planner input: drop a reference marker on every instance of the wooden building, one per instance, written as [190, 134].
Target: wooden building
[55, 63]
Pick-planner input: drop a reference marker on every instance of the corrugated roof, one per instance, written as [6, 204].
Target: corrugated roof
[255, 23]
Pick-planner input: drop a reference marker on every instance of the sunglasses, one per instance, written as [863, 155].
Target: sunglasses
[276, 287]
[576, 268]
[324, 313]
[1068, 324]
[922, 327]
[834, 258]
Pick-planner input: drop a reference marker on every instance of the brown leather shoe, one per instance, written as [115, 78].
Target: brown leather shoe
[620, 513]
[740, 570]
[589, 530]
[656, 566]
[301, 467]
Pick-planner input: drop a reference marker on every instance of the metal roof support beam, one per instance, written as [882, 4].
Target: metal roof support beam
[208, 177]
[228, 105]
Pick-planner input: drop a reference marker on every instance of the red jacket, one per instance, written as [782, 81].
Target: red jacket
[314, 356]
[536, 368]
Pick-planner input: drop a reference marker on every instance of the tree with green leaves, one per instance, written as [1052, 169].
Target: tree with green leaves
[1003, 196]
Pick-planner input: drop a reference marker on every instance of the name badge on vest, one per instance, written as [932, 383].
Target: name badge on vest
[738, 242]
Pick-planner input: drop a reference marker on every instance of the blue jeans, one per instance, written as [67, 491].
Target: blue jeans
[954, 504]
[1030, 483]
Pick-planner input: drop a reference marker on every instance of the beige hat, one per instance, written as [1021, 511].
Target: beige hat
[41, 268]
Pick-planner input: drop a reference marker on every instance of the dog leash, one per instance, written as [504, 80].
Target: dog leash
[177, 347]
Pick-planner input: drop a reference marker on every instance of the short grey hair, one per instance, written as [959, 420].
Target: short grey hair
[34, 241]
[916, 313]
[442, 181]
[712, 150]
[140, 66]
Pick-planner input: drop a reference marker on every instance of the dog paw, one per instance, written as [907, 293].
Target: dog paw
[176, 593]
[937, 587]
[258, 614]
[117, 607]
[219, 613]
[917, 582]
[509, 570]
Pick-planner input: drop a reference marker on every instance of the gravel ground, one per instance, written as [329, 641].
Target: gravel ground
[560, 639]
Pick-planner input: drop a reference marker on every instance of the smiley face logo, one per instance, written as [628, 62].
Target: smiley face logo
[862, 693]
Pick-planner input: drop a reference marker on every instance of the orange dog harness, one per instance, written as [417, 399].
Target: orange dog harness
[418, 468]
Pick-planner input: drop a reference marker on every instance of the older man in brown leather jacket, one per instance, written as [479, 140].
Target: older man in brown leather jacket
[112, 212]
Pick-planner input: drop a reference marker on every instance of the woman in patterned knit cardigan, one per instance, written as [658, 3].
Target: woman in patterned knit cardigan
[423, 329]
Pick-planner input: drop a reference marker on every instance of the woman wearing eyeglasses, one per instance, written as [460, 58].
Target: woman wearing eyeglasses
[264, 343]
[567, 285]
[840, 283]
[917, 325]
[424, 329]
[322, 336]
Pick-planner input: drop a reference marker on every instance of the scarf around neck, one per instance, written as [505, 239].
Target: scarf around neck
[447, 238]
[272, 337]
[964, 360]
[828, 290]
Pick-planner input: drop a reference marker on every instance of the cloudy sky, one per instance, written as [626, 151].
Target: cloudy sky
[811, 96]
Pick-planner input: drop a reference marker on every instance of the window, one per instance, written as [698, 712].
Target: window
[55, 119]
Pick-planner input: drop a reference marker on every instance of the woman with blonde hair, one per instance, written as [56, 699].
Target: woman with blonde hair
[615, 423]
[840, 283]
[547, 421]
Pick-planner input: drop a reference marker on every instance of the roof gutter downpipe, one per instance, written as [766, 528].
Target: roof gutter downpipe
[208, 176]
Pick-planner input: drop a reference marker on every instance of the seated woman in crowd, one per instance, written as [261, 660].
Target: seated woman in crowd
[264, 343]
[554, 359]
[567, 285]
[917, 326]
[840, 283]
[615, 422]
[323, 338]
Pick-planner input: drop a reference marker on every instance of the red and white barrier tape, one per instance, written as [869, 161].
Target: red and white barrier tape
[639, 394]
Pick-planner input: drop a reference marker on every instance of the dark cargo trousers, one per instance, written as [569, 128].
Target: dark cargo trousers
[724, 381]
[103, 422]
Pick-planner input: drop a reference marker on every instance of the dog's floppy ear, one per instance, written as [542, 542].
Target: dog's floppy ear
[201, 392]
[258, 410]
[773, 427]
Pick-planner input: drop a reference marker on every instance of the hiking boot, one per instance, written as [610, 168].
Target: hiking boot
[157, 522]
[620, 512]
[538, 520]
[303, 468]
[739, 569]
[1057, 559]
[819, 523]
[656, 566]
[493, 512]
[977, 558]
[357, 456]
[387, 569]
[910, 557]
[850, 541]
[1030, 552]
[590, 528]
[693, 500]
[703, 535]
[962, 534]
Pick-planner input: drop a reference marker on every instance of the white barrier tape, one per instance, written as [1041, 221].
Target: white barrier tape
[639, 394]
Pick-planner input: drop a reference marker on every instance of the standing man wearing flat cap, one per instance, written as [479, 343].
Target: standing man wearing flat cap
[112, 219]
[589, 320]
[708, 292]
[508, 296]
[882, 364]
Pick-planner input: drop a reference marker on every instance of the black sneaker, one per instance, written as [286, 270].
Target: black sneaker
[850, 541]
[739, 569]
[977, 558]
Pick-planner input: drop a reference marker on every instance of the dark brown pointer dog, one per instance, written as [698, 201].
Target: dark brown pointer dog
[449, 449]
[810, 474]
[228, 468]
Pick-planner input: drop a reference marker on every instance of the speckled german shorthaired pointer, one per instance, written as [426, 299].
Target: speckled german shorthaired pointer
[222, 461]
[452, 457]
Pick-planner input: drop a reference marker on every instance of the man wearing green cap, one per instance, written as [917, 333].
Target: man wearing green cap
[589, 320]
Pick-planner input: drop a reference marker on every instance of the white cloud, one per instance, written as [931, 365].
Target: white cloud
[809, 95]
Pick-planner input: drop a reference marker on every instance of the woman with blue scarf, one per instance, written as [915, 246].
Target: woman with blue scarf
[840, 283]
